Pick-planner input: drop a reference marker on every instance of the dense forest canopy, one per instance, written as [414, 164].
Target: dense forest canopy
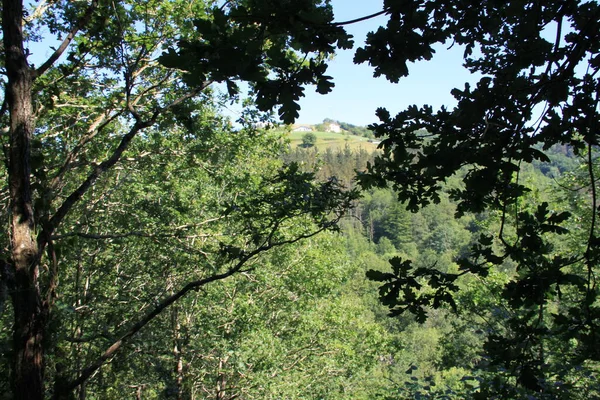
[150, 247]
[536, 91]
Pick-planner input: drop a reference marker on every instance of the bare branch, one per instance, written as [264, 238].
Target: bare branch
[93, 176]
[38, 12]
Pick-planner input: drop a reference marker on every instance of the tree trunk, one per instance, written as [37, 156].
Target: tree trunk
[29, 324]
[27, 368]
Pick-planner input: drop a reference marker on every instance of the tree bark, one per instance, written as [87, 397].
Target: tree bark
[29, 321]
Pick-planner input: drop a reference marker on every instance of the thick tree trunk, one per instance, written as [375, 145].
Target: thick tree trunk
[29, 324]
[27, 379]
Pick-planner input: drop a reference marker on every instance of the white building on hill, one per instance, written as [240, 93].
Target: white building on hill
[333, 127]
[302, 128]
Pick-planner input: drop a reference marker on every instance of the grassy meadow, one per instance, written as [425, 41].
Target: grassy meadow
[333, 141]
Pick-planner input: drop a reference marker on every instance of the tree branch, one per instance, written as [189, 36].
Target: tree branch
[353, 21]
[98, 170]
[38, 12]
[100, 123]
[164, 304]
[68, 39]
[94, 236]
[93, 176]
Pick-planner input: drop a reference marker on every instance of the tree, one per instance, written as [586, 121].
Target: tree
[74, 119]
[309, 140]
[539, 85]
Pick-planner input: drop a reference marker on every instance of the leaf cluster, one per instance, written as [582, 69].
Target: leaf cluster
[278, 47]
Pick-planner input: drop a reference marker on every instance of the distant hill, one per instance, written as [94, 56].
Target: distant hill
[335, 141]
[334, 135]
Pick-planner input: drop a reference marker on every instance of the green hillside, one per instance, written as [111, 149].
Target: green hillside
[334, 141]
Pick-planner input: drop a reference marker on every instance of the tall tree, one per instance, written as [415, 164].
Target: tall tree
[73, 118]
[539, 86]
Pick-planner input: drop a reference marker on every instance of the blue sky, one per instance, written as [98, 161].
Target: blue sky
[357, 94]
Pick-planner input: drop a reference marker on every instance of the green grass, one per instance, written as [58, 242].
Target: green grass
[333, 141]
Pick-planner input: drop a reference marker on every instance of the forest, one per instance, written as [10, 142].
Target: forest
[155, 249]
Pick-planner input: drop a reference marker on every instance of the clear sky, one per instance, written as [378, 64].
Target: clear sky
[357, 94]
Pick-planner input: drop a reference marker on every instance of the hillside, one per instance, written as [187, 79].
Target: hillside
[334, 141]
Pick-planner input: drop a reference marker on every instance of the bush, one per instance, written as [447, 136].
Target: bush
[309, 139]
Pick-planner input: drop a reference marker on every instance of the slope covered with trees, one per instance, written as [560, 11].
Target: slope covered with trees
[446, 352]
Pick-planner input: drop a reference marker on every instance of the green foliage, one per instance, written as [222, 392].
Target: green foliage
[154, 234]
[141, 193]
[265, 44]
[145, 201]
[488, 139]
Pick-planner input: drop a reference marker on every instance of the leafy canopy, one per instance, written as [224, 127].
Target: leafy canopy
[276, 46]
